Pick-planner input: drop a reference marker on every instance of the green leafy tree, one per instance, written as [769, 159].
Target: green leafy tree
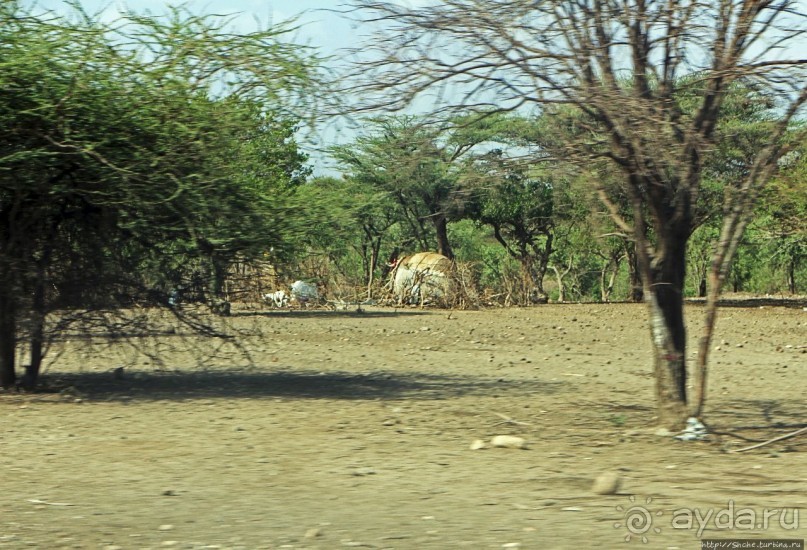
[355, 222]
[401, 158]
[781, 224]
[131, 151]
[420, 167]
[519, 208]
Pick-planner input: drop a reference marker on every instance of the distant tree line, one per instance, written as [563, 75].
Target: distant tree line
[532, 231]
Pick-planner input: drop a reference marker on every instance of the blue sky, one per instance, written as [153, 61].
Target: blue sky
[320, 28]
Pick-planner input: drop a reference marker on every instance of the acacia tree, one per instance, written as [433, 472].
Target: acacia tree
[419, 166]
[780, 225]
[520, 209]
[120, 164]
[356, 219]
[508, 55]
[744, 124]
[401, 158]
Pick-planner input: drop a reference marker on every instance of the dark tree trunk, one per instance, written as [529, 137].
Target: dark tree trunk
[636, 290]
[364, 252]
[538, 294]
[8, 340]
[38, 314]
[441, 229]
[665, 298]
[663, 270]
[543, 265]
[702, 287]
[218, 300]
[375, 251]
[218, 275]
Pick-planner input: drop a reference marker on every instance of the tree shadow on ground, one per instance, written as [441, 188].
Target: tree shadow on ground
[326, 313]
[754, 414]
[751, 303]
[745, 420]
[757, 420]
[292, 384]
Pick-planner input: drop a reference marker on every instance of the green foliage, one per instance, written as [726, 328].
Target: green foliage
[349, 222]
[420, 169]
[475, 246]
[780, 226]
[520, 211]
[699, 254]
[618, 420]
[136, 157]
[501, 211]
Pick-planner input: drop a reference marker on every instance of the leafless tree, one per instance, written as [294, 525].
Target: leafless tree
[621, 64]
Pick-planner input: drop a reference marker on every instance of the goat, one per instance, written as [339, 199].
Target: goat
[278, 298]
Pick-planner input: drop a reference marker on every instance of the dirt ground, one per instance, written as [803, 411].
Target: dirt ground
[338, 429]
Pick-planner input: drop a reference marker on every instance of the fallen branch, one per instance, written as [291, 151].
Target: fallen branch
[507, 420]
[37, 501]
[774, 440]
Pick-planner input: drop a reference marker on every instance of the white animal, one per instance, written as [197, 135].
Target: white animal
[278, 298]
[304, 293]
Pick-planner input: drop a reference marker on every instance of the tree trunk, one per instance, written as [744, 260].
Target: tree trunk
[559, 277]
[604, 291]
[374, 251]
[543, 264]
[8, 340]
[527, 280]
[734, 225]
[364, 252]
[607, 279]
[665, 298]
[791, 276]
[669, 361]
[441, 229]
[701, 370]
[218, 300]
[38, 314]
[636, 290]
[702, 287]
[539, 295]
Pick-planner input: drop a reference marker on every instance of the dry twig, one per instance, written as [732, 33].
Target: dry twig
[507, 420]
[774, 440]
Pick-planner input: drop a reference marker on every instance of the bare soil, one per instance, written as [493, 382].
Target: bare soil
[338, 429]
